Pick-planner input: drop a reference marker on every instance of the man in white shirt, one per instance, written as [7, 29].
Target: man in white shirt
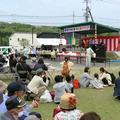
[89, 54]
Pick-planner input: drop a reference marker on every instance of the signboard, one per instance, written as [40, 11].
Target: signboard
[77, 29]
[5, 50]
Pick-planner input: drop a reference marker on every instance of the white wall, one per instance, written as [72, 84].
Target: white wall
[51, 41]
[14, 39]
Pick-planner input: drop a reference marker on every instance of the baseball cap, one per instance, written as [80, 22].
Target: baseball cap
[15, 86]
[14, 102]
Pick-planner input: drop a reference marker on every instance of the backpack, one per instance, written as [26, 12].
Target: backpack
[76, 84]
[65, 71]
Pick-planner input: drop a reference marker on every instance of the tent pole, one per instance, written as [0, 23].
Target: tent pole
[95, 33]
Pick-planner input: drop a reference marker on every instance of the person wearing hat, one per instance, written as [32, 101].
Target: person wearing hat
[14, 106]
[14, 88]
[37, 86]
[18, 90]
[68, 104]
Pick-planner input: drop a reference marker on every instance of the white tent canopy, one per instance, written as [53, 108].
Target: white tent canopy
[51, 41]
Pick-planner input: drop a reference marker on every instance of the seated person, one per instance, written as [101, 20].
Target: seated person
[33, 62]
[40, 64]
[96, 83]
[90, 116]
[23, 69]
[59, 88]
[105, 77]
[12, 62]
[68, 106]
[2, 59]
[37, 86]
[69, 84]
[85, 78]
[14, 107]
[18, 90]
[117, 88]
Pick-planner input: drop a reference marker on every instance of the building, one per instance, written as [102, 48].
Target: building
[16, 39]
[82, 32]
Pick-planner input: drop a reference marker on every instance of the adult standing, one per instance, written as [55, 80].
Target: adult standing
[66, 67]
[89, 54]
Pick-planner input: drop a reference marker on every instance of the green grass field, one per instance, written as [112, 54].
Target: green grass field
[100, 101]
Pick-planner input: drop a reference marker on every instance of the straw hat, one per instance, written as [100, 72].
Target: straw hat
[3, 86]
[68, 101]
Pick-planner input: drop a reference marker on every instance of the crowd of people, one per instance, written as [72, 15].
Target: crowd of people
[32, 84]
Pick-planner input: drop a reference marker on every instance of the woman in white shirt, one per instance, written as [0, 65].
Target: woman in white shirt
[105, 77]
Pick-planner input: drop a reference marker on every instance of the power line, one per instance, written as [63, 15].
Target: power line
[111, 2]
[26, 16]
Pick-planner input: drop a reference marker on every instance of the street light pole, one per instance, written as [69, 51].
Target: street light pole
[32, 35]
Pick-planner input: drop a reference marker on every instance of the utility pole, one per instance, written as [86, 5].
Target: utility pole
[86, 11]
[73, 24]
[32, 36]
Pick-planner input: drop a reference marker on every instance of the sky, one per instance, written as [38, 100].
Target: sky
[59, 12]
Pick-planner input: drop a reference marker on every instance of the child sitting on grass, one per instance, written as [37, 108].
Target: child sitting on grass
[68, 108]
[59, 88]
[96, 83]
[69, 84]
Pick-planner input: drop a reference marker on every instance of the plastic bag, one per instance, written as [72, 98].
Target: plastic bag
[46, 97]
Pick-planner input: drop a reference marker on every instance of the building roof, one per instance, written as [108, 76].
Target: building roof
[48, 35]
[88, 28]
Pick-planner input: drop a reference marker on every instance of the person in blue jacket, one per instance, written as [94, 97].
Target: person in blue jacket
[117, 88]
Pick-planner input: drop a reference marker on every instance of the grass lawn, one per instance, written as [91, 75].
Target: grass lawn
[100, 101]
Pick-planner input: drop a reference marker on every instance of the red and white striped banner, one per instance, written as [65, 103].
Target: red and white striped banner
[112, 43]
